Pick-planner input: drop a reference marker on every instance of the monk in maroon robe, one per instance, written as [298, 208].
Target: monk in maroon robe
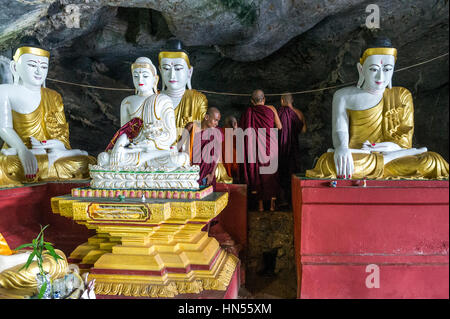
[293, 122]
[207, 147]
[230, 163]
[260, 116]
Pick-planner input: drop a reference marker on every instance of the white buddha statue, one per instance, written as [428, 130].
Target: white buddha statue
[33, 125]
[373, 125]
[145, 81]
[189, 104]
[148, 134]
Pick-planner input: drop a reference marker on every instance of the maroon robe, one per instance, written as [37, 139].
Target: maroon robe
[266, 185]
[131, 129]
[206, 152]
[289, 149]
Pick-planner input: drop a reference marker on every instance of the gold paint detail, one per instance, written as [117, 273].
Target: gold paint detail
[122, 212]
[142, 66]
[174, 55]
[378, 51]
[31, 50]
[150, 237]
[133, 287]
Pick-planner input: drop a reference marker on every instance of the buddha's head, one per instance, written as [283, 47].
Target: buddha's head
[176, 70]
[145, 79]
[30, 64]
[376, 66]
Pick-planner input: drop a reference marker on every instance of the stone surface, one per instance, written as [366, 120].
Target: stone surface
[235, 46]
[270, 260]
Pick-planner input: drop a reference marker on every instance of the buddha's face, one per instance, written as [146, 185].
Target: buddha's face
[175, 73]
[143, 80]
[377, 71]
[32, 69]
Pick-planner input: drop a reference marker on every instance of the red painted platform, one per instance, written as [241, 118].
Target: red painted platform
[231, 230]
[402, 227]
[23, 209]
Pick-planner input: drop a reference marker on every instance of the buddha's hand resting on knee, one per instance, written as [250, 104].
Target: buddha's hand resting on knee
[343, 161]
[29, 163]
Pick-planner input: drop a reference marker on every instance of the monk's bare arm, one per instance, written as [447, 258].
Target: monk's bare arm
[278, 124]
[301, 117]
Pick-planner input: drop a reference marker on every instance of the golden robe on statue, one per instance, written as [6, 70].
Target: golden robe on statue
[46, 122]
[193, 107]
[391, 120]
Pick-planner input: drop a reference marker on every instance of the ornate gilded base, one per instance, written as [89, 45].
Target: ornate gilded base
[151, 249]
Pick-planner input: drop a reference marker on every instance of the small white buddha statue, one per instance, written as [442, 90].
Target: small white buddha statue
[145, 81]
[373, 125]
[33, 125]
[154, 143]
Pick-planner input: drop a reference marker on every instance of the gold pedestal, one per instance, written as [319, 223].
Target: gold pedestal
[153, 249]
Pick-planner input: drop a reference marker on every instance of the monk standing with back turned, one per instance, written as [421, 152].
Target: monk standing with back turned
[294, 123]
[260, 116]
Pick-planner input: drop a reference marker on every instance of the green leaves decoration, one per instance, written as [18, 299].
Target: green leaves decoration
[38, 246]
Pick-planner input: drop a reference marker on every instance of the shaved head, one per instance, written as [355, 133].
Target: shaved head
[287, 98]
[258, 96]
[231, 121]
[212, 117]
[212, 111]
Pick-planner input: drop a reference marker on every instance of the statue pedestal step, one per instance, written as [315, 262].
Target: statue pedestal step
[150, 249]
[389, 239]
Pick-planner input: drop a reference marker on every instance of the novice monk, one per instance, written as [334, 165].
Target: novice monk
[207, 147]
[260, 116]
[293, 122]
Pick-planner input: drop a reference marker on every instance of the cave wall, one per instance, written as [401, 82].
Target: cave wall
[235, 46]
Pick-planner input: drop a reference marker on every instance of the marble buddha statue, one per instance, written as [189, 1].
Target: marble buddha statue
[145, 80]
[148, 135]
[33, 125]
[190, 105]
[373, 126]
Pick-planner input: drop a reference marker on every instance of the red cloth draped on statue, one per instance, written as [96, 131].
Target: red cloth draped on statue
[288, 146]
[131, 128]
[206, 152]
[260, 150]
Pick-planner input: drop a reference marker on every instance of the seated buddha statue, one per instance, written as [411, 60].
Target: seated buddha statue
[145, 81]
[33, 125]
[373, 126]
[190, 105]
[148, 137]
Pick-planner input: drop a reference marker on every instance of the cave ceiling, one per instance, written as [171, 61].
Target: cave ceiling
[235, 46]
